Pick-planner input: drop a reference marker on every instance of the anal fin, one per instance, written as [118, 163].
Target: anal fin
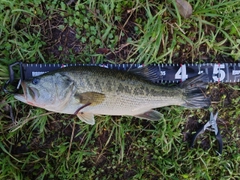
[150, 115]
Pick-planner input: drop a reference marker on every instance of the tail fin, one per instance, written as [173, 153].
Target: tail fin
[193, 92]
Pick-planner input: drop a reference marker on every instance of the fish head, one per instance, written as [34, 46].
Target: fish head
[51, 90]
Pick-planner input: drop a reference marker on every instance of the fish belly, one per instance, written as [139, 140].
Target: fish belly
[125, 105]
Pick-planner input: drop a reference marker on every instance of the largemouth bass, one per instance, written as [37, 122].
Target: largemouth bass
[86, 91]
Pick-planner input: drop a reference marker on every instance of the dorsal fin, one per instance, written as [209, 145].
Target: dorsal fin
[149, 73]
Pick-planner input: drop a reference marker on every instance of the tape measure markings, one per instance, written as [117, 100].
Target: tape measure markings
[170, 73]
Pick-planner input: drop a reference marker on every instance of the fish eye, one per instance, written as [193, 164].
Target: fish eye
[35, 81]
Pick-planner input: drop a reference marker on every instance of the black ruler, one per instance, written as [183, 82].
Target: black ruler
[169, 73]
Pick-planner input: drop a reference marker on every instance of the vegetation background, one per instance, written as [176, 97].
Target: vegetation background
[36, 144]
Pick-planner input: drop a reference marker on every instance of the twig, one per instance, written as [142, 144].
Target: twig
[70, 145]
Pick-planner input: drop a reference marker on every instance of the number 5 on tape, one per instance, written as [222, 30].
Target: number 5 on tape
[218, 73]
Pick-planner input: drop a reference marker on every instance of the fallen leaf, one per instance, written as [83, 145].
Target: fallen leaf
[102, 50]
[184, 8]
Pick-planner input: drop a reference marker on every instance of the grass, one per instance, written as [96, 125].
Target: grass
[37, 144]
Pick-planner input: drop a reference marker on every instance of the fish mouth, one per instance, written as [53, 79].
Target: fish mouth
[22, 97]
[29, 94]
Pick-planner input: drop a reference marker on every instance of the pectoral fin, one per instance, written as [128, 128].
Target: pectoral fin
[86, 117]
[93, 98]
[150, 115]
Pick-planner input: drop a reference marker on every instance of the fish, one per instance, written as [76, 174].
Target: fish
[92, 90]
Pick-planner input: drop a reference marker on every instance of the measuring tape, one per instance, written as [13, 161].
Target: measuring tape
[168, 73]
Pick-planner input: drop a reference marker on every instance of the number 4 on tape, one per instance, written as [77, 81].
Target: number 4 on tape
[181, 73]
